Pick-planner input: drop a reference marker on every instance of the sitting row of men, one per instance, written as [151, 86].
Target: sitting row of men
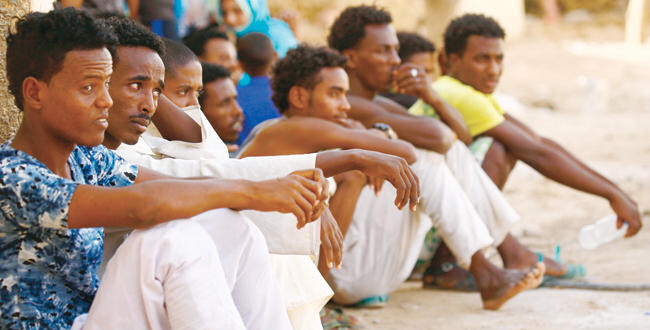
[119, 172]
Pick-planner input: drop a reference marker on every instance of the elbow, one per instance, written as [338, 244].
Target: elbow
[442, 141]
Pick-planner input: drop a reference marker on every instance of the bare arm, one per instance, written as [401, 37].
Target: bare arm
[134, 8]
[426, 133]
[155, 198]
[72, 3]
[174, 124]
[552, 161]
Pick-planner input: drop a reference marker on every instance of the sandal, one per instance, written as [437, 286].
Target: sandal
[465, 284]
[372, 302]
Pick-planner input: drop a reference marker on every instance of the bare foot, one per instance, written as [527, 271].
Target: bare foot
[517, 256]
[508, 284]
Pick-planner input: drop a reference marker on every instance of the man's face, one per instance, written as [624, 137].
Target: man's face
[425, 60]
[183, 84]
[75, 102]
[481, 65]
[135, 87]
[328, 100]
[219, 104]
[373, 60]
[221, 52]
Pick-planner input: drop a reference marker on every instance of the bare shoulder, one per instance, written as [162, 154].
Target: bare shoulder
[389, 105]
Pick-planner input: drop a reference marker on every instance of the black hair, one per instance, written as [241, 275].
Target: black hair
[350, 27]
[461, 28]
[130, 33]
[176, 54]
[212, 72]
[413, 43]
[196, 40]
[38, 44]
[300, 67]
[255, 53]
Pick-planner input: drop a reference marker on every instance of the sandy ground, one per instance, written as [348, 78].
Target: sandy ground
[600, 95]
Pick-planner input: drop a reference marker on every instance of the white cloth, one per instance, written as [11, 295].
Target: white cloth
[208, 272]
[305, 291]
[383, 243]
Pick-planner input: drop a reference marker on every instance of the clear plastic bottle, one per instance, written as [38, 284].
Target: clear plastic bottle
[601, 232]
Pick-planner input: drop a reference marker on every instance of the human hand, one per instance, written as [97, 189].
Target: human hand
[302, 193]
[379, 167]
[331, 239]
[627, 211]
[412, 79]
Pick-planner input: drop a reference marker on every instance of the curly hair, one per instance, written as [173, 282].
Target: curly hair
[176, 54]
[40, 41]
[413, 43]
[350, 27]
[212, 72]
[130, 33]
[461, 28]
[196, 40]
[300, 67]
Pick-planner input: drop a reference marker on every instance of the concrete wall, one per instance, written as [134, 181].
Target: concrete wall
[9, 114]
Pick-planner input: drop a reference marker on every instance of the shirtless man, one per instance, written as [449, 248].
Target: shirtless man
[310, 87]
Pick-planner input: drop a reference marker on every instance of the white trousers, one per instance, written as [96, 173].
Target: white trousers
[383, 243]
[208, 272]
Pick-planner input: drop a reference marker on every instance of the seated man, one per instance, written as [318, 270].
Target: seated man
[381, 245]
[214, 46]
[134, 110]
[219, 104]
[256, 56]
[413, 48]
[359, 33]
[474, 48]
[58, 184]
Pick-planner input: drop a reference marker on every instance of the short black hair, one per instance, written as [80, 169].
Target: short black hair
[461, 28]
[350, 27]
[196, 40]
[255, 52]
[300, 67]
[212, 72]
[130, 33]
[38, 44]
[412, 43]
[176, 54]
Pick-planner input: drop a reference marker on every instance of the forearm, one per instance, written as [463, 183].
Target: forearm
[558, 165]
[452, 118]
[344, 202]
[174, 124]
[134, 206]
[426, 133]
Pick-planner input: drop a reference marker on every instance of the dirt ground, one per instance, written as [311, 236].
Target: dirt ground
[577, 85]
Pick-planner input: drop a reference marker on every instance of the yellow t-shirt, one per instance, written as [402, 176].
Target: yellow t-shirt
[481, 112]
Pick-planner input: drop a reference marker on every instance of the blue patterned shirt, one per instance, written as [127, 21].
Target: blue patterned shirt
[48, 273]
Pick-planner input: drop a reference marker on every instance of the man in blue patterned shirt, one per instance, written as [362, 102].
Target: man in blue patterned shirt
[58, 186]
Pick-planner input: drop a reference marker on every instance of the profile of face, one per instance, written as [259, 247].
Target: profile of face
[219, 104]
[136, 86]
[424, 60]
[374, 59]
[328, 99]
[480, 65]
[74, 104]
[233, 15]
[183, 84]
[222, 52]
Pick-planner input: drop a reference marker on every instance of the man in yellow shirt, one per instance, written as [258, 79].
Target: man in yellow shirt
[474, 55]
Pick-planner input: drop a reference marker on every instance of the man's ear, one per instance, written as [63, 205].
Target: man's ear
[298, 97]
[33, 93]
[351, 54]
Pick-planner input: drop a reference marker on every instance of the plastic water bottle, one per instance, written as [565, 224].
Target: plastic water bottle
[601, 232]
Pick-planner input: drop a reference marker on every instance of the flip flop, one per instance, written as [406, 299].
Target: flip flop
[335, 318]
[574, 271]
[372, 302]
[465, 284]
